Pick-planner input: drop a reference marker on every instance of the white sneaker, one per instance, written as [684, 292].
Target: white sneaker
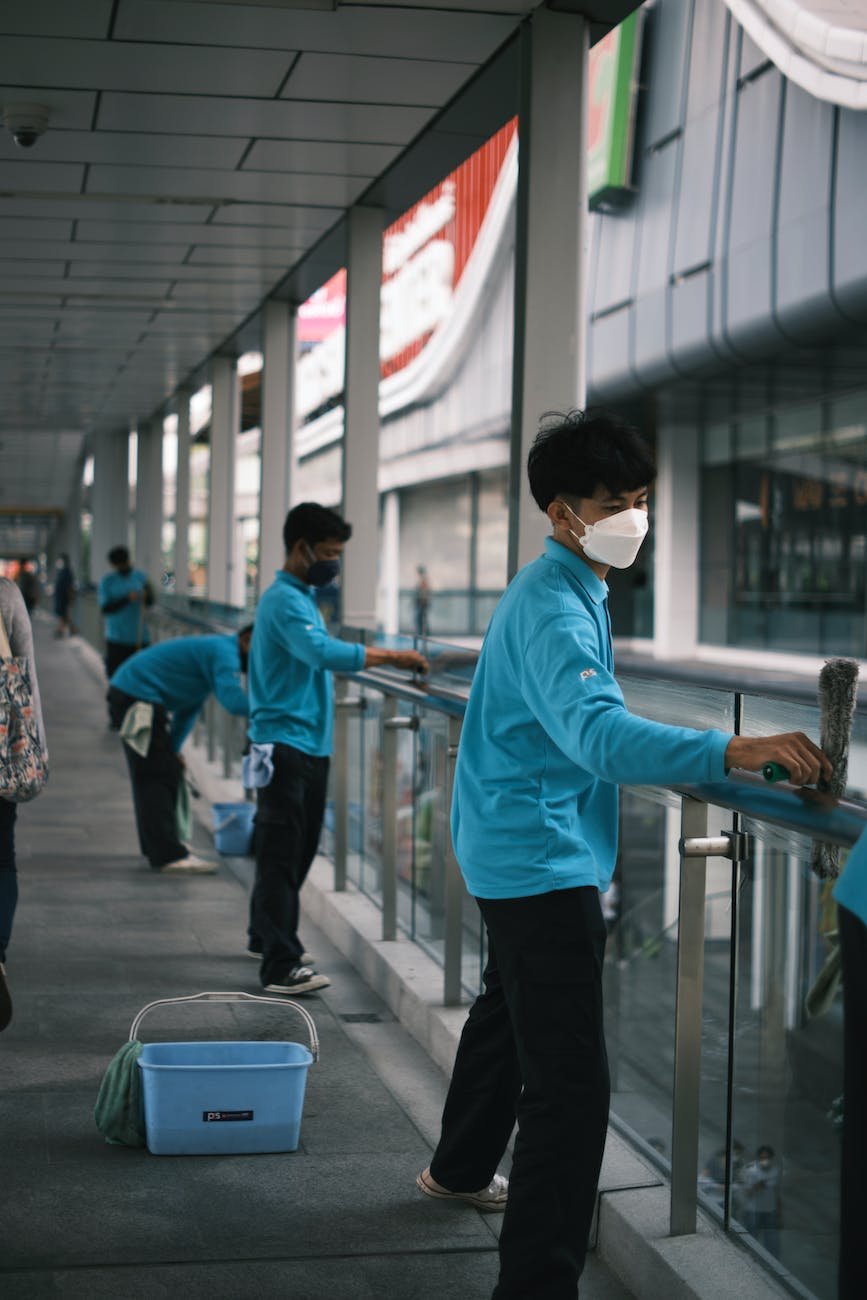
[491, 1199]
[189, 866]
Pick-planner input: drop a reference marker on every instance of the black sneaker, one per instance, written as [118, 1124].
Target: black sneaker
[6, 1000]
[301, 979]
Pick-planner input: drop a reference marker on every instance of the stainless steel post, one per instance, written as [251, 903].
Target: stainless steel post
[210, 710]
[687, 1022]
[341, 783]
[392, 724]
[228, 742]
[344, 705]
[454, 890]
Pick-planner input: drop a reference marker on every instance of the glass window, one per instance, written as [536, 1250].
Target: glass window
[784, 535]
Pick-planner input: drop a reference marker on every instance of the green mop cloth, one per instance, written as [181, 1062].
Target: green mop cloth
[137, 725]
[119, 1111]
[184, 812]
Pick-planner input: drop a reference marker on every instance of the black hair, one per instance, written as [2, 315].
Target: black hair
[761, 1149]
[118, 555]
[578, 451]
[314, 523]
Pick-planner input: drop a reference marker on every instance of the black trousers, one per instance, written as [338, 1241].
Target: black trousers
[156, 779]
[533, 1049]
[116, 653]
[289, 816]
[853, 1209]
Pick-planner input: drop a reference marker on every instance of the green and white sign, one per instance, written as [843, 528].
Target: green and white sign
[613, 92]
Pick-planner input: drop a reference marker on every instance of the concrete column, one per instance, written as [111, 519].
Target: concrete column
[110, 498]
[278, 433]
[68, 535]
[549, 366]
[361, 418]
[675, 521]
[182, 497]
[225, 421]
[149, 501]
[389, 586]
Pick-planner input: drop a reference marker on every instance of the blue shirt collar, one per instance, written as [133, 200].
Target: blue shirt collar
[283, 576]
[596, 589]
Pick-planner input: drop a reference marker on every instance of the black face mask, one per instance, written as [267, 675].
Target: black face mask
[321, 572]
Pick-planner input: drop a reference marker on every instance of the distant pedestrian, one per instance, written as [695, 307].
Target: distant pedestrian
[124, 594]
[29, 585]
[64, 594]
[174, 678]
[422, 602]
[17, 625]
[761, 1195]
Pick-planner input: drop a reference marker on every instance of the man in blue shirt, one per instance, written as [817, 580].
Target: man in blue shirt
[123, 596]
[850, 892]
[291, 715]
[175, 677]
[546, 741]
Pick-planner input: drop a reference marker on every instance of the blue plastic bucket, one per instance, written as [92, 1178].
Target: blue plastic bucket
[223, 1098]
[233, 827]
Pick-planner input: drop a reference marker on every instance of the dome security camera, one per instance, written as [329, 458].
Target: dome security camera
[25, 123]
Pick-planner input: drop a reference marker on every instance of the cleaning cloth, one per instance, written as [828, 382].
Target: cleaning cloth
[137, 725]
[119, 1110]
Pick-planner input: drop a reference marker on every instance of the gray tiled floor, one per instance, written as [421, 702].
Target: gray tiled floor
[96, 937]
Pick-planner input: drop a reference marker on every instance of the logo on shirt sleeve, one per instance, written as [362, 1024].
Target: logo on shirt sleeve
[588, 672]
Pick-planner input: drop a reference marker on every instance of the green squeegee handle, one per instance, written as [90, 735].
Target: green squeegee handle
[775, 772]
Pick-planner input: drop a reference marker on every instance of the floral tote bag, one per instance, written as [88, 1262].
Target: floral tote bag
[23, 764]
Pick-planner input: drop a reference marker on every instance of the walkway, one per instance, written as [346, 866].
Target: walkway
[97, 936]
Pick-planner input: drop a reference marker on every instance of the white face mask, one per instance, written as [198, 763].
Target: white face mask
[615, 540]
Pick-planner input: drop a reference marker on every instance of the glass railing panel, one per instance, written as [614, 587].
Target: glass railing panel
[369, 879]
[787, 1071]
[680, 704]
[427, 919]
[640, 969]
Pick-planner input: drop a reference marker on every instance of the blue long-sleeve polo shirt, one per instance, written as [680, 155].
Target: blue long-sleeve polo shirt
[851, 887]
[181, 673]
[547, 739]
[125, 624]
[289, 677]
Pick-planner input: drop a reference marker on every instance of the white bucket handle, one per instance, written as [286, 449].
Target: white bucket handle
[232, 817]
[233, 997]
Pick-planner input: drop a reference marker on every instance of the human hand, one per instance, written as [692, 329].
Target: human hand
[411, 660]
[133, 595]
[794, 751]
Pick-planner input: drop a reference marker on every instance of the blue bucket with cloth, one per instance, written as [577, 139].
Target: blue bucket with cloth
[233, 827]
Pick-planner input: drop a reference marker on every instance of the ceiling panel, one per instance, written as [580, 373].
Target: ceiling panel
[156, 69]
[249, 187]
[57, 18]
[69, 109]
[98, 208]
[34, 268]
[344, 159]
[440, 31]
[35, 175]
[366, 80]
[287, 119]
[289, 219]
[228, 236]
[129, 147]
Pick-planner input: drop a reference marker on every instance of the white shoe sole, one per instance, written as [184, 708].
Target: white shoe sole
[476, 1199]
[304, 986]
[175, 869]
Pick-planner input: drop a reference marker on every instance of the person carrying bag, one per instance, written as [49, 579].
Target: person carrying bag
[23, 754]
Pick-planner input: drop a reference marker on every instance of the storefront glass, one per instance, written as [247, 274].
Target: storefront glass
[784, 529]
